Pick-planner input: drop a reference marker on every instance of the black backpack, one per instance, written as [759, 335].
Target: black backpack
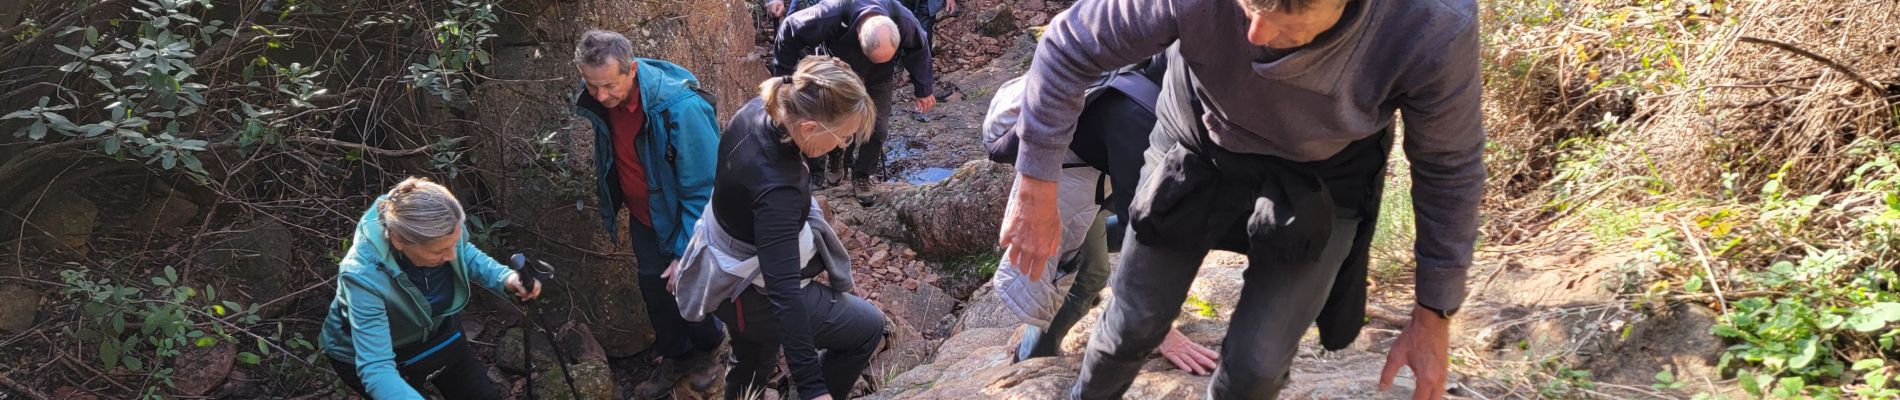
[1139, 82]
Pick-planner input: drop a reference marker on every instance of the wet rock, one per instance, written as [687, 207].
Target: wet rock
[958, 217]
[65, 221]
[19, 310]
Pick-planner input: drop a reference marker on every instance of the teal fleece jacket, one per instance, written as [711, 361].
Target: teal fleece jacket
[377, 309]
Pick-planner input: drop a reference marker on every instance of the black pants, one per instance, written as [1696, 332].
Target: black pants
[673, 337]
[1281, 296]
[452, 369]
[845, 328]
[866, 157]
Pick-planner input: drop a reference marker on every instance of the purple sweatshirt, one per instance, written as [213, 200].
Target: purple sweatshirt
[1418, 56]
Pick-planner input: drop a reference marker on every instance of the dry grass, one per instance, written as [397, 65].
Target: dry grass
[1691, 100]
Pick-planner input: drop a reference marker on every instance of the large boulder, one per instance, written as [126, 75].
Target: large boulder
[201, 369]
[996, 22]
[958, 217]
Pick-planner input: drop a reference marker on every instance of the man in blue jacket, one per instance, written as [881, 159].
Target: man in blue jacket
[656, 143]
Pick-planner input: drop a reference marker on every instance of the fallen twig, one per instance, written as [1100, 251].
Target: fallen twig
[1871, 85]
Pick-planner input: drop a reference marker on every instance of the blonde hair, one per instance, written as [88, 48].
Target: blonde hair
[822, 89]
[420, 211]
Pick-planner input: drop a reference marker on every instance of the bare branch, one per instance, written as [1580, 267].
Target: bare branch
[1871, 85]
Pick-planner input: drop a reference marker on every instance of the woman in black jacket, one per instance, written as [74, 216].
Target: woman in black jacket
[761, 197]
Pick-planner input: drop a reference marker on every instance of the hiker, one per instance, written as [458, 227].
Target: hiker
[1273, 128]
[655, 137]
[394, 324]
[926, 11]
[1113, 130]
[870, 35]
[764, 239]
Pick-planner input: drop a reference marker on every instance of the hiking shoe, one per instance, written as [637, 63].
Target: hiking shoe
[704, 368]
[817, 180]
[861, 187]
[660, 385]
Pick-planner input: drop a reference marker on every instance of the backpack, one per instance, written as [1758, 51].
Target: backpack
[1138, 82]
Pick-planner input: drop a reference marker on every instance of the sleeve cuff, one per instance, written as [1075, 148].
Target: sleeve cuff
[1040, 161]
[1441, 288]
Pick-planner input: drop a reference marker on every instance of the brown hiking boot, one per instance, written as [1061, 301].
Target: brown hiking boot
[661, 383]
[704, 368]
[861, 188]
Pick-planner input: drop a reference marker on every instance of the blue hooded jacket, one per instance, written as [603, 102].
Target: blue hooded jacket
[679, 147]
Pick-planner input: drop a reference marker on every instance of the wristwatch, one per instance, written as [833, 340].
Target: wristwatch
[1441, 313]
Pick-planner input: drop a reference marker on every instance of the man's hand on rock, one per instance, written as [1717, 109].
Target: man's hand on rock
[1424, 346]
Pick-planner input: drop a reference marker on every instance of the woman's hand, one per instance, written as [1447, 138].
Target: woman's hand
[672, 276]
[776, 8]
[514, 286]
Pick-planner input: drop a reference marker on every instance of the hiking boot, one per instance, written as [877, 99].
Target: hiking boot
[704, 368]
[661, 383]
[818, 180]
[861, 187]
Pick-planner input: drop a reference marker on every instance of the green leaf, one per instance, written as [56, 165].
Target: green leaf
[1867, 364]
[160, 281]
[262, 347]
[1790, 387]
[134, 363]
[1665, 376]
[205, 342]
[219, 309]
[1693, 285]
[171, 274]
[1808, 349]
[247, 358]
[109, 353]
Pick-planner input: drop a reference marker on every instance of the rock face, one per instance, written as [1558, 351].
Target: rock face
[959, 216]
[20, 308]
[65, 220]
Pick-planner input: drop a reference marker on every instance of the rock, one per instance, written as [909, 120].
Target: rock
[203, 368]
[19, 310]
[1038, 18]
[958, 217]
[921, 307]
[1676, 340]
[256, 254]
[593, 379]
[65, 220]
[578, 344]
[164, 214]
[996, 22]
[1031, 5]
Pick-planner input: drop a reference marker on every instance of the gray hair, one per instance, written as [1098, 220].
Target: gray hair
[877, 32]
[420, 211]
[597, 47]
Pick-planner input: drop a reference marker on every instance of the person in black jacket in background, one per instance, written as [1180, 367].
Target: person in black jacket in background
[762, 196]
[874, 37]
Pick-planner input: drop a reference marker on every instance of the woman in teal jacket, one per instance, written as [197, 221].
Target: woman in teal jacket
[393, 324]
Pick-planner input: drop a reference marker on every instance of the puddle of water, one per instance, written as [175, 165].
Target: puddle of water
[928, 175]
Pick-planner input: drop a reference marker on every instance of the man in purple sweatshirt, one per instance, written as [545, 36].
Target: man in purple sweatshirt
[1269, 109]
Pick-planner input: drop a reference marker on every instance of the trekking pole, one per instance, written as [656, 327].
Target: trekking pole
[530, 277]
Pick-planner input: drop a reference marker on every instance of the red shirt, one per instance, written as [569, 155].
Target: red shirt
[626, 122]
